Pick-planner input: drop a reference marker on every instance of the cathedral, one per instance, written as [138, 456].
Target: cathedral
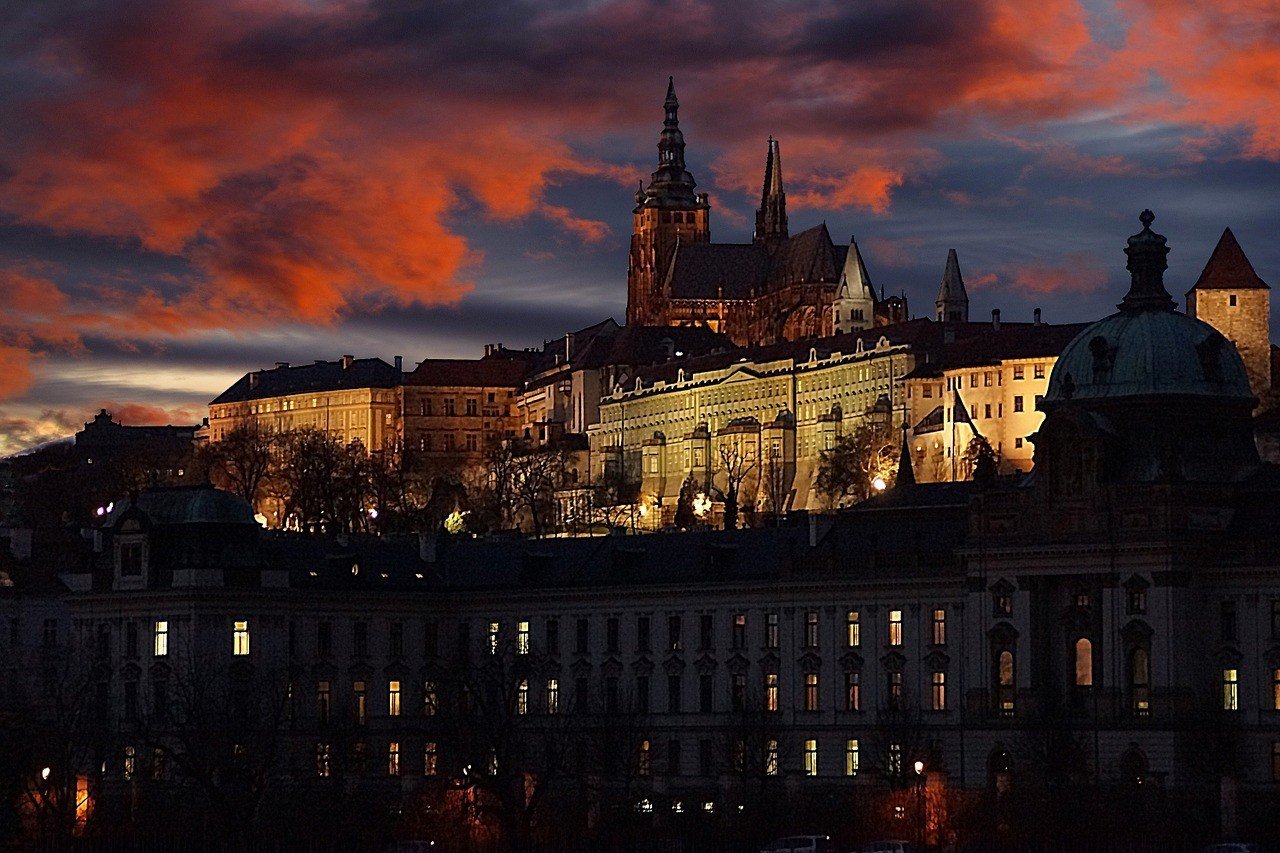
[779, 287]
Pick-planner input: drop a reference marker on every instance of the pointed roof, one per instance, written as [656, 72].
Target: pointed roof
[855, 282]
[1228, 268]
[906, 473]
[771, 216]
[952, 286]
[671, 185]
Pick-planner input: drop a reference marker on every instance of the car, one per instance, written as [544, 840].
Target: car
[800, 844]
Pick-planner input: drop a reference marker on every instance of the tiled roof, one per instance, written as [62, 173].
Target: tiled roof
[469, 373]
[981, 345]
[310, 378]
[735, 270]
[1228, 268]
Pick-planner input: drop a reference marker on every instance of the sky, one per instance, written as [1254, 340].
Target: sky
[191, 190]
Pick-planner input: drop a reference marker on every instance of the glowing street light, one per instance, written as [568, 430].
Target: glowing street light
[44, 774]
[880, 485]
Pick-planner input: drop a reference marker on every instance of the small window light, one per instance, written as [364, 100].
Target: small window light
[314, 573]
[418, 575]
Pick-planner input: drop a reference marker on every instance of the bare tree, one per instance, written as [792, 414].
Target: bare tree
[775, 482]
[847, 471]
[737, 463]
[242, 460]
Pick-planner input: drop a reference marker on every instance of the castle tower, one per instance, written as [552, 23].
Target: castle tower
[953, 300]
[771, 217]
[1231, 297]
[855, 303]
[667, 212]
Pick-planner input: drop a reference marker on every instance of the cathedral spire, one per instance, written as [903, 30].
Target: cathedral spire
[953, 299]
[1148, 253]
[771, 217]
[671, 185]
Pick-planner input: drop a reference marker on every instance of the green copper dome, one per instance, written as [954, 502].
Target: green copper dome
[1135, 354]
[1148, 347]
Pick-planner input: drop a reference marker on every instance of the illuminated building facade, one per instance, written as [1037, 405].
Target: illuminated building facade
[353, 399]
[779, 287]
[456, 409]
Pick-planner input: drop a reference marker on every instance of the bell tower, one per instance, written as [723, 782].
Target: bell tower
[668, 212]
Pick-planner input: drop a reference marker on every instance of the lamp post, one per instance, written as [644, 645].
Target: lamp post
[919, 768]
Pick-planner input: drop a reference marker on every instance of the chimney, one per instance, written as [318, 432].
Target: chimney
[281, 365]
[995, 319]
[253, 380]
[399, 364]
[1036, 314]
[488, 349]
[346, 361]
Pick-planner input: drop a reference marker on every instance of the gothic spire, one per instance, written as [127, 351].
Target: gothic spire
[1148, 253]
[855, 281]
[771, 217]
[671, 186]
[953, 299]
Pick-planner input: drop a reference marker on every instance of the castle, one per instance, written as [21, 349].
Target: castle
[779, 287]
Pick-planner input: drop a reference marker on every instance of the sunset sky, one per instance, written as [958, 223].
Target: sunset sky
[190, 190]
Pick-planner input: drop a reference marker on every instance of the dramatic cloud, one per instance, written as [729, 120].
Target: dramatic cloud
[185, 168]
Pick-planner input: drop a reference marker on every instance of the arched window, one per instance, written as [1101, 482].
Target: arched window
[1084, 662]
[1140, 681]
[1005, 683]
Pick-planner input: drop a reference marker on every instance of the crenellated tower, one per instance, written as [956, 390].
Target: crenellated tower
[668, 211]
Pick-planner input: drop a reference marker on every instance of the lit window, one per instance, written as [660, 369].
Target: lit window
[322, 701]
[522, 638]
[359, 703]
[240, 638]
[894, 765]
[522, 696]
[853, 630]
[430, 702]
[322, 760]
[1230, 690]
[430, 758]
[1140, 682]
[895, 627]
[393, 758]
[771, 758]
[161, 646]
[553, 696]
[393, 698]
[852, 757]
[811, 692]
[771, 691]
[494, 629]
[1084, 662]
[1005, 682]
[853, 691]
[130, 762]
[811, 758]
[939, 690]
[939, 626]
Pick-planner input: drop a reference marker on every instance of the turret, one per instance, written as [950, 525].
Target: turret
[953, 300]
[855, 303]
[1233, 299]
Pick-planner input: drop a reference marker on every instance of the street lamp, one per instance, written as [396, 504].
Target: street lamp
[919, 768]
[44, 774]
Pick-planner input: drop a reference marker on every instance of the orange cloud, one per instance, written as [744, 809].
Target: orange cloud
[141, 414]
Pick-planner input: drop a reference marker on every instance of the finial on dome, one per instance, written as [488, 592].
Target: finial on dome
[1147, 253]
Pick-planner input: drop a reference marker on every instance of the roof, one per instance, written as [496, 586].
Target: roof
[1228, 268]
[1011, 341]
[311, 378]
[201, 504]
[489, 372]
[736, 270]
[1149, 352]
